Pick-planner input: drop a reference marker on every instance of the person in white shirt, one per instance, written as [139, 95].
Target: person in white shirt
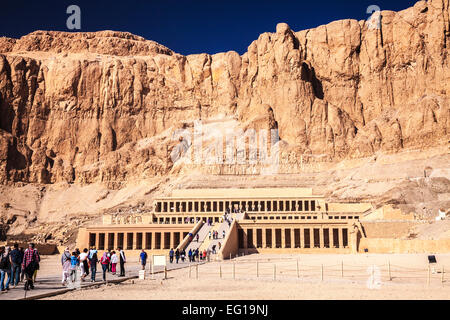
[122, 261]
[114, 260]
[84, 267]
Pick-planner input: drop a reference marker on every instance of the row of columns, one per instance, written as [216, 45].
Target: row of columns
[340, 242]
[129, 240]
[249, 206]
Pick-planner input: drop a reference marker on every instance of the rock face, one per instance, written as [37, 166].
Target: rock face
[103, 106]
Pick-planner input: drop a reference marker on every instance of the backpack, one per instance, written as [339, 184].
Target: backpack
[4, 262]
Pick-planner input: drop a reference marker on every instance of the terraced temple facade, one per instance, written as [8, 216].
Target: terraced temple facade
[266, 220]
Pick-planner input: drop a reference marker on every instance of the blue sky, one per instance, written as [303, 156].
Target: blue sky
[191, 26]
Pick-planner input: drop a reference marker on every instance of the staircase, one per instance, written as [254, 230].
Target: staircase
[202, 236]
[208, 243]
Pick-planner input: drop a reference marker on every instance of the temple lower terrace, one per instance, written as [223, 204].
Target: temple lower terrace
[263, 220]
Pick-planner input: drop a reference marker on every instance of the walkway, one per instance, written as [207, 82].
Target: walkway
[51, 285]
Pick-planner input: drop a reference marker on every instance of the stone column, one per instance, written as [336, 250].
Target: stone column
[172, 240]
[153, 243]
[283, 238]
[116, 240]
[274, 237]
[303, 238]
[263, 233]
[292, 238]
[134, 240]
[341, 238]
[245, 238]
[97, 240]
[106, 240]
[321, 238]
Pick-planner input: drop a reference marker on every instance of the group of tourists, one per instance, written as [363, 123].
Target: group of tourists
[198, 254]
[19, 265]
[215, 234]
[87, 261]
[178, 254]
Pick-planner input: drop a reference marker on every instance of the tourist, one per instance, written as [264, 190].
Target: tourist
[65, 263]
[104, 262]
[197, 237]
[177, 255]
[5, 268]
[108, 254]
[190, 255]
[220, 245]
[30, 264]
[113, 262]
[93, 259]
[223, 233]
[143, 259]
[183, 255]
[214, 249]
[16, 260]
[74, 262]
[196, 254]
[122, 261]
[171, 255]
[201, 256]
[209, 234]
[204, 254]
[84, 266]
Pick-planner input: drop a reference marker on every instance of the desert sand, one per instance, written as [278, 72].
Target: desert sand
[408, 271]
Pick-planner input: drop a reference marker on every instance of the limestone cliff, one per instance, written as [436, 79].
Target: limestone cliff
[102, 107]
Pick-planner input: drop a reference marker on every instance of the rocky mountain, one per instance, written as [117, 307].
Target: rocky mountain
[77, 107]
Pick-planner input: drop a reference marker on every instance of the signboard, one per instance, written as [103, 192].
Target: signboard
[159, 260]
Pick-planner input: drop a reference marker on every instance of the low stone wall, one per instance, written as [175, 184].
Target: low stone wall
[377, 245]
[230, 243]
[387, 229]
[183, 244]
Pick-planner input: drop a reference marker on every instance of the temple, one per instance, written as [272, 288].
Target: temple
[261, 220]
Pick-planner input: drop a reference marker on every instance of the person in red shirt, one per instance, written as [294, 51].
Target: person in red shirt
[104, 261]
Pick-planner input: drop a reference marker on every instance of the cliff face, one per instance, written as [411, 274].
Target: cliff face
[90, 107]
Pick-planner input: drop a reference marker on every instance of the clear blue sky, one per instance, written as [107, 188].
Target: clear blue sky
[186, 26]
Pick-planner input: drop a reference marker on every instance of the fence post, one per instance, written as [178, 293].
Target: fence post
[234, 271]
[257, 269]
[342, 268]
[389, 270]
[429, 275]
[298, 273]
[196, 271]
[321, 272]
[274, 271]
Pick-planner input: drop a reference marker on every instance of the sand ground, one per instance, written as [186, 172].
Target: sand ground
[409, 273]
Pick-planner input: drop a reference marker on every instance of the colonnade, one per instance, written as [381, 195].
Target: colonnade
[220, 206]
[136, 240]
[293, 237]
